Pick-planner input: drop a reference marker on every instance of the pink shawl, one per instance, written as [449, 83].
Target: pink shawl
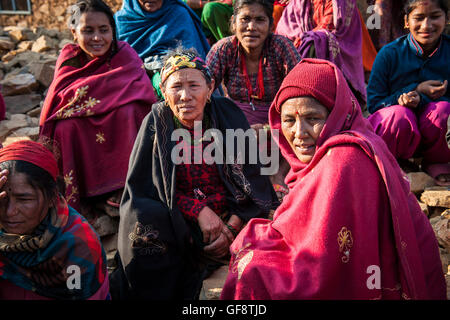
[349, 217]
[91, 116]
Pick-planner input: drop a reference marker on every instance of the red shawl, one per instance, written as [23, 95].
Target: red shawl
[92, 115]
[348, 218]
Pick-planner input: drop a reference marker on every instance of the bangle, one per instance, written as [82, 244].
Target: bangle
[233, 230]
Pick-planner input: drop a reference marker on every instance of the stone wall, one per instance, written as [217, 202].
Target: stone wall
[50, 14]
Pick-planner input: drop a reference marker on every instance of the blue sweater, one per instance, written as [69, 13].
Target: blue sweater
[400, 66]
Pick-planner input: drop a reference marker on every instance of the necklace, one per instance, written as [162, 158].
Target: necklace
[259, 93]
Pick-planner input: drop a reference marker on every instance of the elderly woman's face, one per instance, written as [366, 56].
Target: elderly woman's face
[94, 34]
[150, 5]
[186, 92]
[24, 207]
[302, 121]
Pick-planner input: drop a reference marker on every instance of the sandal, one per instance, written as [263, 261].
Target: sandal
[438, 169]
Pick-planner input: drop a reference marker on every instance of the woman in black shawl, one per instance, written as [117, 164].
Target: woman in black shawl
[176, 218]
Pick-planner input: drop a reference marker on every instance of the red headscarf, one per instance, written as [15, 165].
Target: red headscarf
[32, 152]
[348, 210]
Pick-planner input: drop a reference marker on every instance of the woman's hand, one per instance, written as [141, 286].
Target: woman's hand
[3, 179]
[433, 88]
[220, 247]
[211, 225]
[235, 222]
[409, 100]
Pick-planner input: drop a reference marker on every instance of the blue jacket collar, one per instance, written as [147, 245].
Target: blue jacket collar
[417, 49]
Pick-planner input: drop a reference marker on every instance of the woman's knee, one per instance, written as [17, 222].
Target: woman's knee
[394, 119]
[435, 115]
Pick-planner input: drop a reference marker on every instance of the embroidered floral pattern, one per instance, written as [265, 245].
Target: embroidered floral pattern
[68, 178]
[350, 7]
[72, 191]
[241, 259]
[78, 105]
[237, 171]
[333, 44]
[345, 241]
[100, 137]
[145, 238]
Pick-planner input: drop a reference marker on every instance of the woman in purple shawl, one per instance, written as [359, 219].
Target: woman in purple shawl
[330, 30]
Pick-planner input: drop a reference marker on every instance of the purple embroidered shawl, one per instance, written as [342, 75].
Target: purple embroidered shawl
[342, 46]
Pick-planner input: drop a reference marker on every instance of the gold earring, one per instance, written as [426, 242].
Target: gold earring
[208, 100]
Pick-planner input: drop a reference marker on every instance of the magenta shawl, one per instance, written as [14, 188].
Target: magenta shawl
[342, 46]
[92, 115]
[348, 211]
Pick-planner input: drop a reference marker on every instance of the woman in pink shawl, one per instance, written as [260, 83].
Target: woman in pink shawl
[330, 30]
[349, 227]
[94, 107]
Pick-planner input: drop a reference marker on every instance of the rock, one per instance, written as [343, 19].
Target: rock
[419, 181]
[30, 132]
[105, 225]
[19, 84]
[442, 231]
[63, 42]
[44, 9]
[65, 34]
[33, 121]
[447, 278]
[212, 286]
[18, 34]
[424, 208]
[35, 112]
[446, 214]
[43, 43]
[43, 72]
[6, 44]
[435, 212]
[436, 197]
[12, 139]
[23, 59]
[9, 56]
[16, 72]
[445, 259]
[7, 126]
[59, 11]
[22, 103]
[25, 45]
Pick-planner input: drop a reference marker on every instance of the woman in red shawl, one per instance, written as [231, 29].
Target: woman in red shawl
[349, 227]
[47, 249]
[95, 105]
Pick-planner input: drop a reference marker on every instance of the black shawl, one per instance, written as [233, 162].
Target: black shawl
[154, 243]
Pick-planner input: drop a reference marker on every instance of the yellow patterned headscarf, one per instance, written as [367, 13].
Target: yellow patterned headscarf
[181, 61]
